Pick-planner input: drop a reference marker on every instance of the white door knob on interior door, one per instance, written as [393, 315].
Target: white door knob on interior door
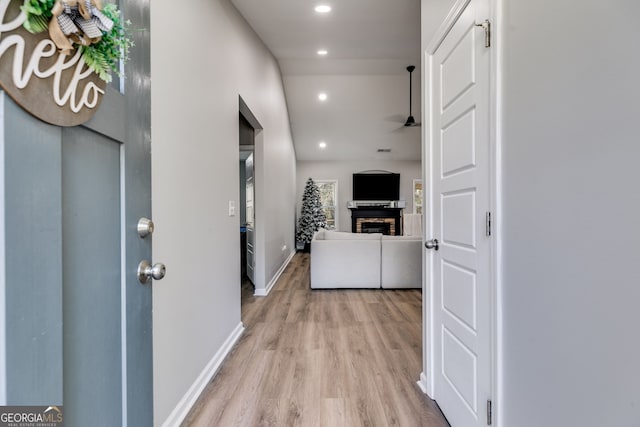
[146, 271]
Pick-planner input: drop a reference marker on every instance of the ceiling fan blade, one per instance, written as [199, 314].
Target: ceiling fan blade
[404, 128]
[397, 118]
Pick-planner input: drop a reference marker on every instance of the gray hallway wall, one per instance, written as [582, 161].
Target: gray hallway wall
[196, 174]
[570, 220]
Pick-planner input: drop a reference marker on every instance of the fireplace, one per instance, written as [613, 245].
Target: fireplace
[377, 225]
[376, 220]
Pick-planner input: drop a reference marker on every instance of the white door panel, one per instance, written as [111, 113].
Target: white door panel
[458, 145]
[459, 174]
[458, 214]
[459, 297]
[459, 369]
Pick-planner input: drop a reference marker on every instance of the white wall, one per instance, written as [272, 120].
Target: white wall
[570, 206]
[571, 217]
[433, 13]
[343, 171]
[369, 109]
[200, 64]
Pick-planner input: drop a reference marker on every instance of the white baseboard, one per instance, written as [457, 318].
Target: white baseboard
[183, 407]
[272, 282]
[422, 383]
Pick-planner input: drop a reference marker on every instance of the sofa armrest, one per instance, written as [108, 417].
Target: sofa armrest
[401, 263]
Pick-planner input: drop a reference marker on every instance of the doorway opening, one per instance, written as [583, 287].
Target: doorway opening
[247, 212]
[248, 128]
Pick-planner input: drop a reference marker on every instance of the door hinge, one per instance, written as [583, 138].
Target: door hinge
[489, 412]
[488, 224]
[486, 25]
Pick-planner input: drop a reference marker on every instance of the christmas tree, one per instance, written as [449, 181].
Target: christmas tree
[312, 217]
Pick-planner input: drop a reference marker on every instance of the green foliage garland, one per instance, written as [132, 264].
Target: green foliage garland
[38, 13]
[102, 57]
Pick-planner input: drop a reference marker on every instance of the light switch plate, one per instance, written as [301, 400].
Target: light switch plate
[232, 208]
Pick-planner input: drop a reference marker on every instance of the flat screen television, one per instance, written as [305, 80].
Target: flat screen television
[376, 186]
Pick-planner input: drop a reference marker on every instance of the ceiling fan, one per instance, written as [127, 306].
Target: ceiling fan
[406, 121]
[410, 120]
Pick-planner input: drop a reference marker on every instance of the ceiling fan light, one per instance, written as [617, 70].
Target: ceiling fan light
[410, 121]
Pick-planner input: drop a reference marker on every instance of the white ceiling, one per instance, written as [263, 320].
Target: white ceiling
[370, 44]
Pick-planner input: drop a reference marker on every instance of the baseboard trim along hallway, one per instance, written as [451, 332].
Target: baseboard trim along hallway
[180, 412]
[272, 282]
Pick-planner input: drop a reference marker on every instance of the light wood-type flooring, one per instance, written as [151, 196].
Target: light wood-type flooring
[322, 358]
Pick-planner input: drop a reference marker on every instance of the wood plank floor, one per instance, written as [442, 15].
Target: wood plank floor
[322, 358]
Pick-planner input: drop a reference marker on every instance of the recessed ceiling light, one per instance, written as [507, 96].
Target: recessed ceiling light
[323, 8]
[322, 96]
[322, 52]
[322, 144]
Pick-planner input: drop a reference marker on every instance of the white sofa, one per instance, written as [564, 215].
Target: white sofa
[401, 262]
[355, 260]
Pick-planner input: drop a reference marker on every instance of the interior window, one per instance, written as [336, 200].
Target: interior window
[417, 196]
[329, 199]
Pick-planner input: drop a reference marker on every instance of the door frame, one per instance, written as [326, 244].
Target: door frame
[258, 198]
[495, 201]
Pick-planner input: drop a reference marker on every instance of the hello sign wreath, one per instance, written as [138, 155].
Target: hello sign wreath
[56, 56]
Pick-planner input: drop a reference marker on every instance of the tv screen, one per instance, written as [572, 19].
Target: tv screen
[376, 186]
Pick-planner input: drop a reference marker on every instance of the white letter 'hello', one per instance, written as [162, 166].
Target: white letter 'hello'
[47, 49]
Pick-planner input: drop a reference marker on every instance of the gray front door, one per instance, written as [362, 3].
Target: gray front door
[77, 321]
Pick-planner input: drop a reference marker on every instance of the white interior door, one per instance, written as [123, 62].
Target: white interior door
[459, 72]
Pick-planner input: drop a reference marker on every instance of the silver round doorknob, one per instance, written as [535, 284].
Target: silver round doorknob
[146, 271]
[145, 227]
[431, 244]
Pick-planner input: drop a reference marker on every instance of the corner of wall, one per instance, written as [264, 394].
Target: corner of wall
[264, 292]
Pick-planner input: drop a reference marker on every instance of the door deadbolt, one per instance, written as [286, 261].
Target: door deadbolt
[432, 244]
[146, 271]
[145, 227]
